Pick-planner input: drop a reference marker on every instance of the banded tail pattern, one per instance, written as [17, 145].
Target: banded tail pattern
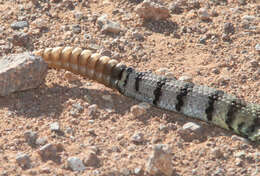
[195, 101]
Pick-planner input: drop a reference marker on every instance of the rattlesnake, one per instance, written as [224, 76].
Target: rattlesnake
[196, 101]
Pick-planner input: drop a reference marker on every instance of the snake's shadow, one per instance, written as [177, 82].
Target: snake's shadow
[51, 101]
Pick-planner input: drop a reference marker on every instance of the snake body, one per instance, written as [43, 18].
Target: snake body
[195, 101]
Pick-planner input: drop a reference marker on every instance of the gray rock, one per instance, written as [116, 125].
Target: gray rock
[102, 20]
[69, 130]
[78, 15]
[19, 72]
[204, 14]
[30, 137]
[19, 25]
[138, 137]
[203, 39]
[23, 160]
[138, 36]
[149, 9]
[55, 126]
[229, 28]
[78, 106]
[76, 29]
[75, 164]
[160, 161]
[74, 112]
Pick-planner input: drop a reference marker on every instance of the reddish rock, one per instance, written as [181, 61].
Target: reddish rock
[151, 10]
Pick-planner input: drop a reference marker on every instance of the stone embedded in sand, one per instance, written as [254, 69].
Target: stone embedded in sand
[20, 72]
[160, 162]
[151, 10]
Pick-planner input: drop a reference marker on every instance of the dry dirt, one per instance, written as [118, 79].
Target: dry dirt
[184, 44]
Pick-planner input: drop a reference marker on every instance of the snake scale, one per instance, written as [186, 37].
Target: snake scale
[196, 101]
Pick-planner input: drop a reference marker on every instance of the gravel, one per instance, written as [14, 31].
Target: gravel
[221, 62]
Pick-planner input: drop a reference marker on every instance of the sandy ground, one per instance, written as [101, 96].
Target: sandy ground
[184, 44]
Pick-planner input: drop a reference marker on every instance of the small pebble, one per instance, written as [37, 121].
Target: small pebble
[112, 27]
[76, 29]
[78, 106]
[162, 71]
[91, 160]
[138, 36]
[41, 141]
[50, 151]
[75, 164]
[138, 137]
[93, 111]
[22, 39]
[78, 15]
[138, 110]
[204, 14]
[149, 9]
[138, 171]
[23, 160]
[19, 25]
[190, 131]
[229, 28]
[217, 153]
[257, 47]
[186, 78]
[55, 126]
[191, 126]
[248, 18]
[125, 172]
[175, 8]
[240, 154]
[31, 137]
